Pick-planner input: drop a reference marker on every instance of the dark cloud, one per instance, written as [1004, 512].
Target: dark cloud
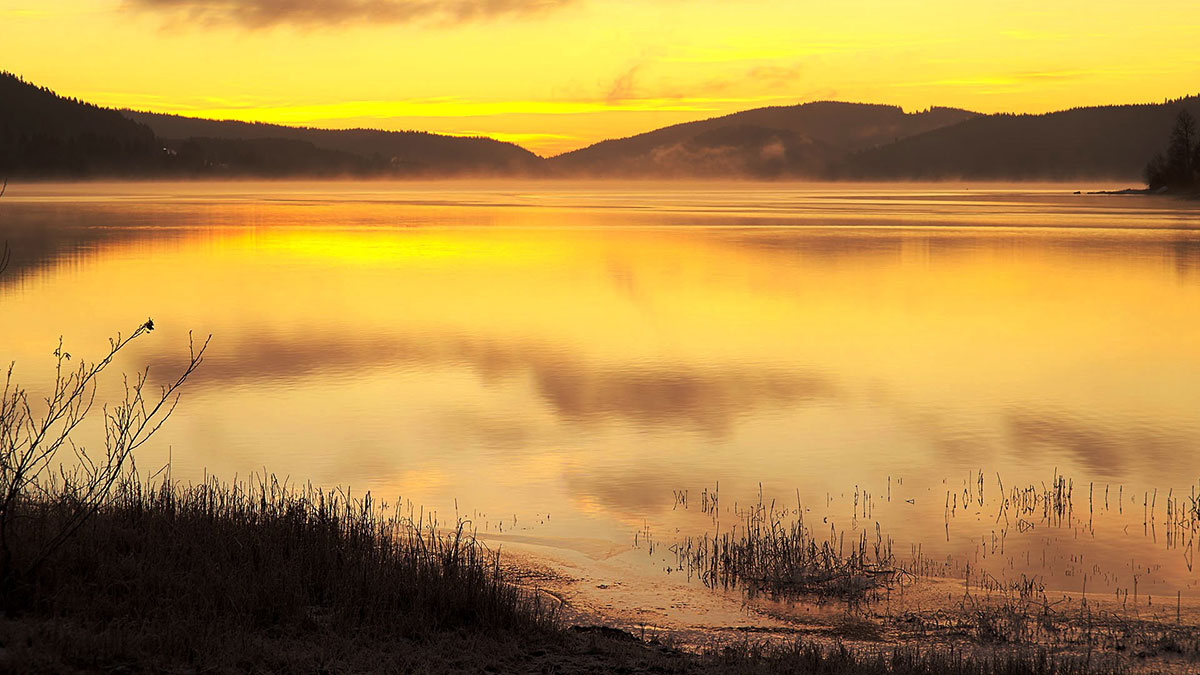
[266, 13]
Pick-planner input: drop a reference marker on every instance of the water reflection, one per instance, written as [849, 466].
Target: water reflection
[586, 353]
[1106, 447]
[704, 397]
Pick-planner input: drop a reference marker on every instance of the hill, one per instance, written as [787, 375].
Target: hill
[45, 135]
[1097, 142]
[406, 152]
[800, 140]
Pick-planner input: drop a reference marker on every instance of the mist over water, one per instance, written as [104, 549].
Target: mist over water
[585, 350]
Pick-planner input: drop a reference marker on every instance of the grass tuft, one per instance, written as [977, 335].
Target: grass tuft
[182, 572]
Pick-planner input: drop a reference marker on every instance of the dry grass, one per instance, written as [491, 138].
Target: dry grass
[203, 573]
[261, 577]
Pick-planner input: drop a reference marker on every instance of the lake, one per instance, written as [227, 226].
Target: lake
[560, 363]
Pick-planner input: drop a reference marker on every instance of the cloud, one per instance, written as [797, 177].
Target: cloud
[267, 13]
[772, 78]
[622, 88]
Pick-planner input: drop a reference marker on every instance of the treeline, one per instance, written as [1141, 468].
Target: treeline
[800, 141]
[264, 157]
[44, 135]
[850, 141]
[403, 152]
[1097, 142]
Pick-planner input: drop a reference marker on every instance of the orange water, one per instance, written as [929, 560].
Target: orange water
[555, 360]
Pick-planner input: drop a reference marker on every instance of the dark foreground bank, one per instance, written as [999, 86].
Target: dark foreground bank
[265, 577]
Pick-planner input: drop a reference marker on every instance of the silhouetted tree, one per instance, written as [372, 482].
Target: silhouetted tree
[1178, 168]
[1179, 152]
[1196, 162]
[1155, 173]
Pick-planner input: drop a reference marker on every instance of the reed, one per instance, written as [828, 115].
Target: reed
[176, 571]
[772, 550]
[264, 576]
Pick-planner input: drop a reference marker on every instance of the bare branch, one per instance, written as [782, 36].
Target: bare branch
[30, 443]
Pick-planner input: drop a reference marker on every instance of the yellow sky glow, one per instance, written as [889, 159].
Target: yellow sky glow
[554, 75]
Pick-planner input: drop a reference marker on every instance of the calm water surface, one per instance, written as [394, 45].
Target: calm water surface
[557, 360]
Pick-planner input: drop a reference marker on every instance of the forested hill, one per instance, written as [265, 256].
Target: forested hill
[43, 134]
[801, 141]
[1099, 142]
[403, 151]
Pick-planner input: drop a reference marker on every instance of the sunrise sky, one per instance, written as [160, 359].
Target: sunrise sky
[554, 75]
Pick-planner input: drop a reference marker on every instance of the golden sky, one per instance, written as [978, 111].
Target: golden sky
[553, 75]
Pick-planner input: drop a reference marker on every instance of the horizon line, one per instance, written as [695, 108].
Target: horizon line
[498, 136]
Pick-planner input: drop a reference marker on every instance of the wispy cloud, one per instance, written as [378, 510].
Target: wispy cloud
[630, 86]
[622, 88]
[267, 13]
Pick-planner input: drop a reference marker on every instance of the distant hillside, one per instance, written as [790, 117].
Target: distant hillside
[46, 135]
[408, 152]
[1100, 142]
[267, 157]
[801, 140]
[43, 134]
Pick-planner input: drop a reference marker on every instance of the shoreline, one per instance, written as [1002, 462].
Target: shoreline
[929, 612]
[256, 576]
[1147, 192]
